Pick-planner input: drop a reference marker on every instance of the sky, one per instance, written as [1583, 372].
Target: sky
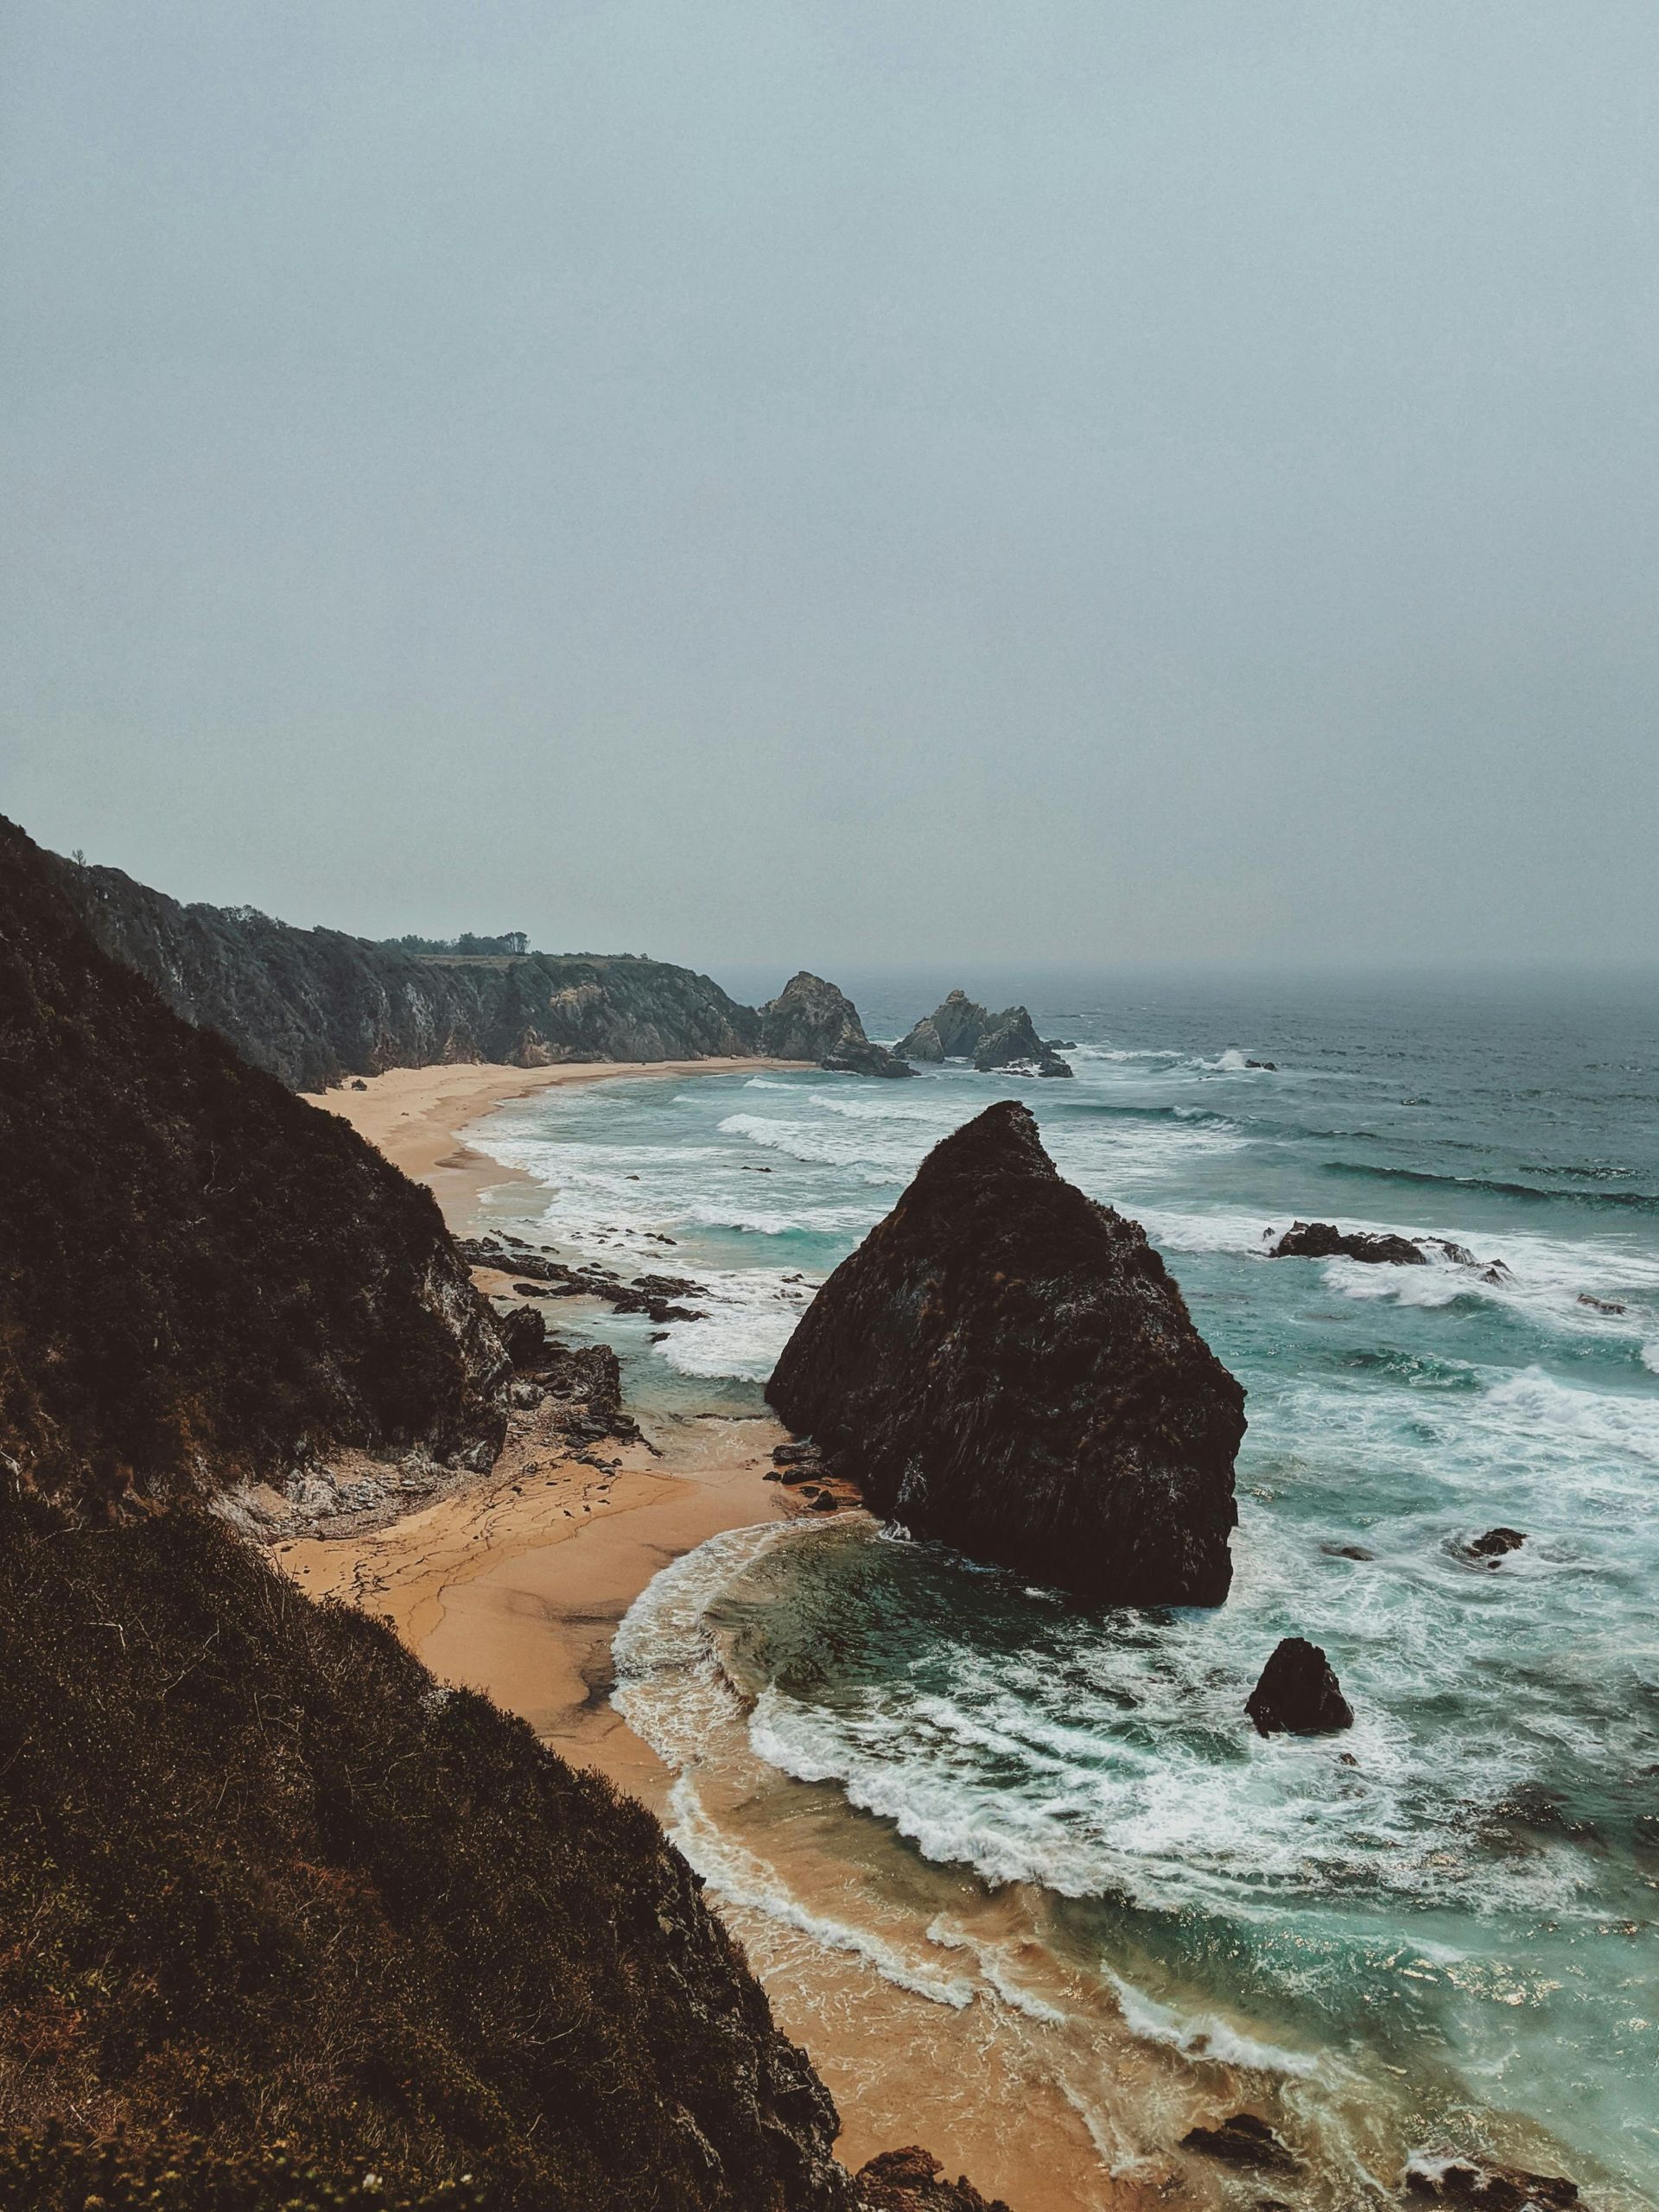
[867, 481]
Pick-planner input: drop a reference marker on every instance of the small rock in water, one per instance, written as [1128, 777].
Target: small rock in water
[1243, 2140]
[1601, 1305]
[1299, 1694]
[1489, 2188]
[1495, 1541]
[1346, 1551]
[1323, 1240]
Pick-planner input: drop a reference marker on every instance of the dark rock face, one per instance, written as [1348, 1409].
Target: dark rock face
[1006, 1366]
[1323, 1240]
[912, 2180]
[524, 1334]
[200, 1276]
[1484, 2186]
[1299, 1694]
[315, 1006]
[961, 1029]
[1243, 2140]
[811, 1020]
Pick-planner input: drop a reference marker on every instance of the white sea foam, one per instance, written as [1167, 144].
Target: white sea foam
[1205, 2035]
[741, 1877]
[749, 1315]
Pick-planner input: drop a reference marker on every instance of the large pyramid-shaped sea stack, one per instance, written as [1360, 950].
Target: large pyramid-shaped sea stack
[1009, 1367]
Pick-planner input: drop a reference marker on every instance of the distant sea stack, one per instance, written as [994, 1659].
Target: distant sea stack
[811, 1020]
[960, 1029]
[1006, 1366]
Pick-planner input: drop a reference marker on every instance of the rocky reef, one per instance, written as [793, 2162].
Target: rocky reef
[1323, 1240]
[811, 1020]
[1007, 1366]
[961, 1029]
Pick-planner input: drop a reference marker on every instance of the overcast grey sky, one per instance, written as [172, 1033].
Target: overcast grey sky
[844, 479]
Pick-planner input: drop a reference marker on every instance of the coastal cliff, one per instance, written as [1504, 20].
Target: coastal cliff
[287, 1923]
[1007, 1366]
[314, 1006]
[200, 1276]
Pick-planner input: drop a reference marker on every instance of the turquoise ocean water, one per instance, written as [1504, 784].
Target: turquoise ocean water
[1458, 1925]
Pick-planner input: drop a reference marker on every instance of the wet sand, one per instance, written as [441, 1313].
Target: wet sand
[516, 1584]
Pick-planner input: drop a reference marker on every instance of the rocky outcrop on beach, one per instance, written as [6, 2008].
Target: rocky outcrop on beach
[1244, 2138]
[811, 1020]
[912, 2180]
[1007, 1366]
[201, 1279]
[961, 1029]
[1299, 1694]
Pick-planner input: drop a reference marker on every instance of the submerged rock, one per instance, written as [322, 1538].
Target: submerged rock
[811, 1020]
[959, 1028]
[1007, 1366]
[1495, 1542]
[1299, 1694]
[1323, 1240]
[1243, 2140]
[1484, 2186]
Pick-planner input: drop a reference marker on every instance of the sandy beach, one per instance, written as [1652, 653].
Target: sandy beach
[514, 1584]
[416, 1115]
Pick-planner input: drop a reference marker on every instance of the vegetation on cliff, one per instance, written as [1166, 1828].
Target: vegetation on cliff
[260, 1878]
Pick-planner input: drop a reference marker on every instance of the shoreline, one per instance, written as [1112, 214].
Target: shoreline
[416, 1117]
[514, 1583]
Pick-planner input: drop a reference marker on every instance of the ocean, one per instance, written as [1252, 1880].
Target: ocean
[1434, 1932]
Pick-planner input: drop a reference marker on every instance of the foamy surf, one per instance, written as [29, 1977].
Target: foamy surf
[1453, 1901]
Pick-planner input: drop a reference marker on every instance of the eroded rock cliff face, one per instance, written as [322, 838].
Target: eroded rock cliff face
[315, 1006]
[961, 1029]
[200, 1275]
[266, 1886]
[1007, 1366]
[811, 1020]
